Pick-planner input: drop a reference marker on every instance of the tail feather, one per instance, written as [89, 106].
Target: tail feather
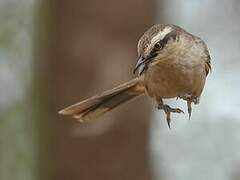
[100, 104]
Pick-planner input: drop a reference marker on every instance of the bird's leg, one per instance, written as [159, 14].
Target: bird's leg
[189, 105]
[168, 110]
[190, 99]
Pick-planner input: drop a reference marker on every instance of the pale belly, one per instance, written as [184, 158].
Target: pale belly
[168, 80]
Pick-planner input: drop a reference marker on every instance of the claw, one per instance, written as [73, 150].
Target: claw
[168, 120]
[178, 110]
[189, 109]
[167, 109]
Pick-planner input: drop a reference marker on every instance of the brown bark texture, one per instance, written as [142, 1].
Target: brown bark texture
[85, 47]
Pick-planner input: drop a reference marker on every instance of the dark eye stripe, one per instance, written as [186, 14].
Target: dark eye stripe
[172, 35]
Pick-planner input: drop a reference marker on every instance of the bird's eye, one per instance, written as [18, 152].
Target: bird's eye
[157, 46]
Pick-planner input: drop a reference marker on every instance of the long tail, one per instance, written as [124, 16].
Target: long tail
[98, 105]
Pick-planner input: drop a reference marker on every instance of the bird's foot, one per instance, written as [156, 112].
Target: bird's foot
[189, 105]
[168, 110]
[190, 99]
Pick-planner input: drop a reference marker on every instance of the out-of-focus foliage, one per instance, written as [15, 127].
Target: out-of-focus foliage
[16, 126]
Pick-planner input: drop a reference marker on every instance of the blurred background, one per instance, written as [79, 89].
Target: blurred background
[54, 53]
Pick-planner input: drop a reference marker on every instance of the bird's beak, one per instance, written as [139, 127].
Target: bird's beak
[140, 62]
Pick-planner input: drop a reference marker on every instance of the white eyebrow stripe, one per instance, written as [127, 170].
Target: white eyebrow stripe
[161, 34]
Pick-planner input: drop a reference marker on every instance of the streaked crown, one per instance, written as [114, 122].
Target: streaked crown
[159, 33]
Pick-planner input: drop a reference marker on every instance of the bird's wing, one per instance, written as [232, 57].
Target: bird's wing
[208, 66]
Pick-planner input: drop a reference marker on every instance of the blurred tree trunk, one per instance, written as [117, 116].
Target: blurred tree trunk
[85, 47]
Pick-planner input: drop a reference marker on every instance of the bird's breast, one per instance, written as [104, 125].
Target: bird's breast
[174, 77]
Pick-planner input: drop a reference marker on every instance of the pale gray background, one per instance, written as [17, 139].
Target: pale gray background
[207, 147]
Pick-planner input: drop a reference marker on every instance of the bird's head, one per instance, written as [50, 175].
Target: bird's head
[157, 42]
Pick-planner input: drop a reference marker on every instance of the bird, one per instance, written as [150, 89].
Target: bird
[171, 63]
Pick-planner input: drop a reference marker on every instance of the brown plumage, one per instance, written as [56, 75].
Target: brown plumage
[99, 104]
[172, 63]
